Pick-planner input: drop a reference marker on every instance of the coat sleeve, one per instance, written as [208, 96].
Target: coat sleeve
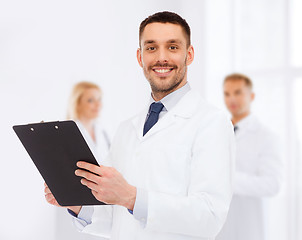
[203, 211]
[266, 181]
[101, 222]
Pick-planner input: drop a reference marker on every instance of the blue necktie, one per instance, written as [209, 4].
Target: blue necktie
[155, 109]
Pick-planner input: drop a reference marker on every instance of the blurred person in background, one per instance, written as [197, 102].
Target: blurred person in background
[258, 164]
[85, 104]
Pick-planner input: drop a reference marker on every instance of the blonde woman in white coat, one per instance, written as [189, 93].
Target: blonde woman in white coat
[84, 108]
[258, 165]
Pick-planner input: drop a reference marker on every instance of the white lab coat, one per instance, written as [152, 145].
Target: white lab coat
[257, 176]
[100, 147]
[185, 163]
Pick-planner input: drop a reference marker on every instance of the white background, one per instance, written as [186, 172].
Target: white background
[47, 46]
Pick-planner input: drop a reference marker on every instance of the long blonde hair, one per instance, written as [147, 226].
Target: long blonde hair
[75, 97]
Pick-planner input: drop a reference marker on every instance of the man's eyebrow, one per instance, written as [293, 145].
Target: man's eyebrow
[149, 42]
[169, 41]
[174, 41]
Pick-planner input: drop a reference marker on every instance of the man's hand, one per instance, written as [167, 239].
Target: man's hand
[107, 184]
[51, 200]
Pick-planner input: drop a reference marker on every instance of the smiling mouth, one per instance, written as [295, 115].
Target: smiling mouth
[163, 70]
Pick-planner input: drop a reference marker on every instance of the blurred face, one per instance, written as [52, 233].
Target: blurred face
[164, 56]
[238, 97]
[90, 104]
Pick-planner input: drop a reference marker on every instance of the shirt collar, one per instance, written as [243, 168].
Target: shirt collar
[245, 122]
[173, 98]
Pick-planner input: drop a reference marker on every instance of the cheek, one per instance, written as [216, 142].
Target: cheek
[240, 100]
[146, 60]
[228, 101]
[181, 59]
[86, 107]
[247, 100]
[81, 107]
[93, 106]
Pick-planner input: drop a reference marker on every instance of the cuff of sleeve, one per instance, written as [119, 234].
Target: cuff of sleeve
[84, 217]
[140, 210]
[86, 214]
[72, 213]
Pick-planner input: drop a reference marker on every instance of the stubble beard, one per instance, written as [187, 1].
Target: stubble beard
[172, 84]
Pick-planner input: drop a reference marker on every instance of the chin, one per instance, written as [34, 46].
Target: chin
[164, 86]
[94, 116]
[234, 113]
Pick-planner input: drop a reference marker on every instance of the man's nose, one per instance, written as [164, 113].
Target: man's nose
[163, 55]
[232, 99]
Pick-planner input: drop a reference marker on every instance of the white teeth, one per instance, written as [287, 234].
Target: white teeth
[162, 70]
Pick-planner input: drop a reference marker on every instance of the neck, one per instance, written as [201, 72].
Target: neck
[239, 117]
[157, 96]
[87, 123]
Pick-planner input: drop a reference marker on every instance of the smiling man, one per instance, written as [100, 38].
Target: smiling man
[168, 175]
[165, 60]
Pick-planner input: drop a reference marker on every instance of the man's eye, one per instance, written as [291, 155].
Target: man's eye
[151, 48]
[173, 47]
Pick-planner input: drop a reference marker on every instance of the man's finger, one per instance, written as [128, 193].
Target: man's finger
[47, 190]
[90, 185]
[89, 176]
[49, 197]
[90, 167]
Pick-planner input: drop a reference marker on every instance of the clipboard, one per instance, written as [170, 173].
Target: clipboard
[55, 148]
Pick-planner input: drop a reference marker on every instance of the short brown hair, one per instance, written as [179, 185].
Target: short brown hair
[166, 17]
[239, 76]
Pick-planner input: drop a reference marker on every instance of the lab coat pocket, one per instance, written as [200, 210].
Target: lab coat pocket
[171, 168]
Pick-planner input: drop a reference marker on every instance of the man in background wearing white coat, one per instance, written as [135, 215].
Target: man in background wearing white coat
[258, 164]
[171, 164]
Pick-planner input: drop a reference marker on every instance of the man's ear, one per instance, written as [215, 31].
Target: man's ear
[252, 96]
[190, 55]
[139, 57]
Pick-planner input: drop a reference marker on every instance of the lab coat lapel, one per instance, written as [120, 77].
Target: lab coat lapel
[166, 121]
[183, 109]
[138, 122]
[240, 134]
[248, 126]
